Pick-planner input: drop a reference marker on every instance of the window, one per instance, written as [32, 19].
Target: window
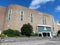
[44, 20]
[45, 28]
[21, 15]
[31, 17]
[9, 14]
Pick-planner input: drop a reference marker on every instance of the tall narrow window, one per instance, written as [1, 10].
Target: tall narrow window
[21, 15]
[44, 20]
[9, 14]
[31, 17]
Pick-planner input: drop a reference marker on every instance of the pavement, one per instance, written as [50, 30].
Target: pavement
[30, 41]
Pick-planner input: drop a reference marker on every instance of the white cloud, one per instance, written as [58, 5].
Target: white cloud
[57, 9]
[36, 3]
[34, 7]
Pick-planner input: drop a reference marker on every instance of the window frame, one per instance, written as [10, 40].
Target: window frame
[21, 15]
[9, 14]
[44, 20]
[31, 17]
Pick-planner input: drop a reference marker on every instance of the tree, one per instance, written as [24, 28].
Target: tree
[58, 33]
[26, 29]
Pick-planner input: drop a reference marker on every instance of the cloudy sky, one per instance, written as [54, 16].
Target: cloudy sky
[46, 6]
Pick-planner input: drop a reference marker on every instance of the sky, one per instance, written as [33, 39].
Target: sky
[51, 7]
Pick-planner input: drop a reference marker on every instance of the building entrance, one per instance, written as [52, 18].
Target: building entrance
[44, 31]
[46, 34]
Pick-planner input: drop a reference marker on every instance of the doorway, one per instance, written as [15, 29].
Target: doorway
[40, 35]
[46, 34]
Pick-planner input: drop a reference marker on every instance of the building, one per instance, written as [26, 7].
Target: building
[56, 27]
[14, 16]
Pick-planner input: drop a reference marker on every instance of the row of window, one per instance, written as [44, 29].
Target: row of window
[22, 16]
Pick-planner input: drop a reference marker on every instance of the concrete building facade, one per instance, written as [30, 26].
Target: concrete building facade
[14, 16]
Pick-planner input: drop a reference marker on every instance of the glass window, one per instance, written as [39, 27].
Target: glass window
[9, 14]
[44, 20]
[31, 17]
[22, 15]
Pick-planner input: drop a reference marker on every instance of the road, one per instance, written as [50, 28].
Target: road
[31, 41]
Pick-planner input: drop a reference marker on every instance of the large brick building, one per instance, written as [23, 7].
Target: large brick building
[14, 16]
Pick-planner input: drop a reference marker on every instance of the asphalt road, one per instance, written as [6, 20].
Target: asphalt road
[31, 41]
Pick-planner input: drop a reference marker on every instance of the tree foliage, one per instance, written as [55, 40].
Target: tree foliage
[11, 33]
[16, 33]
[58, 33]
[26, 29]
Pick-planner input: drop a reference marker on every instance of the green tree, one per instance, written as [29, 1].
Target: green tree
[58, 33]
[26, 29]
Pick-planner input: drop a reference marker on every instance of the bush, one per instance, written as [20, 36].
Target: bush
[26, 29]
[11, 33]
[16, 33]
[3, 35]
[58, 33]
[34, 34]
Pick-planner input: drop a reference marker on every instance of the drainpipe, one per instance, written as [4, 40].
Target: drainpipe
[52, 32]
